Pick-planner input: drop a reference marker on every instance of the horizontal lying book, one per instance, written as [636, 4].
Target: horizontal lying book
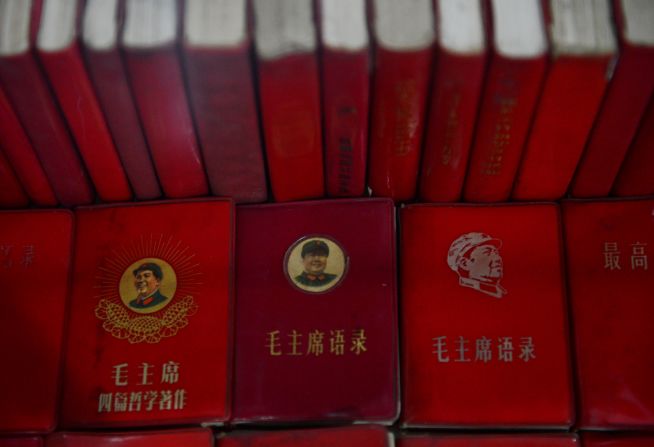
[359, 436]
[623, 439]
[21, 442]
[190, 437]
[508, 440]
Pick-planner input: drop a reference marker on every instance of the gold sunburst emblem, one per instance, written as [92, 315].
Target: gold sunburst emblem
[146, 289]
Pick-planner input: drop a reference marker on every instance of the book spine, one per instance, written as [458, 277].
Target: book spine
[11, 193]
[454, 104]
[346, 89]
[398, 118]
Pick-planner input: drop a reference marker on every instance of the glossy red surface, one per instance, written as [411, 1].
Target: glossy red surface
[361, 436]
[617, 439]
[509, 440]
[11, 191]
[172, 438]
[21, 442]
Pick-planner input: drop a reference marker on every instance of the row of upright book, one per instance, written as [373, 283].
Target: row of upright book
[513, 316]
[460, 99]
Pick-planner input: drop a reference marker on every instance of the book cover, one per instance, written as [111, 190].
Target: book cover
[583, 51]
[608, 246]
[222, 91]
[509, 440]
[626, 100]
[21, 442]
[516, 67]
[35, 257]
[29, 94]
[404, 36]
[149, 43]
[455, 92]
[345, 64]
[191, 437]
[617, 439]
[316, 319]
[149, 329]
[360, 436]
[11, 193]
[485, 339]
[101, 28]
[289, 97]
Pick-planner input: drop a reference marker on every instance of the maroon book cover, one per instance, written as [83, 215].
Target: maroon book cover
[485, 338]
[617, 439]
[35, 256]
[509, 440]
[325, 348]
[11, 193]
[609, 249]
[21, 442]
[191, 437]
[149, 330]
[360, 436]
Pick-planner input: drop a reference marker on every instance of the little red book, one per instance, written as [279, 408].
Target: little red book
[455, 93]
[485, 330]
[357, 436]
[404, 36]
[345, 62]
[517, 63]
[11, 193]
[21, 442]
[622, 439]
[149, 328]
[584, 50]
[508, 440]
[35, 257]
[190, 437]
[222, 91]
[316, 337]
[149, 42]
[289, 97]
[609, 251]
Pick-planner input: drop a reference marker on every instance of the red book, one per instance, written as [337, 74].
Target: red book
[149, 324]
[617, 440]
[485, 340]
[513, 83]
[346, 87]
[101, 27]
[21, 442]
[609, 250]
[456, 90]
[583, 49]
[404, 35]
[29, 94]
[329, 333]
[218, 66]
[549, 440]
[59, 52]
[35, 253]
[359, 436]
[191, 437]
[149, 42]
[289, 94]
[11, 193]
[626, 100]
[18, 150]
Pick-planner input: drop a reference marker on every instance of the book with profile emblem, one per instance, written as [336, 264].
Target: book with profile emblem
[485, 329]
[316, 337]
[149, 327]
[358, 436]
[35, 254]
[21, 442]
[610, 246]
[191, 437]
[489, 440]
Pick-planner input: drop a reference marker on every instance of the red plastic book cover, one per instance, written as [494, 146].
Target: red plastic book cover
[11, 193]
[509, 440]
[572, 94]
[626, 100]
[149, 43]
[29, 94]
[149, 327]
[222, 91]
[609, 248]
[517, 63]
[345, 64]
[21, 442]
[59, 52]
[191, 437]
[35, 257]
[289, 95]
[100, 30]
[359, 436]
[20, 154]
[485, 339]
[617, 439]
[325, 348]
[404, 38]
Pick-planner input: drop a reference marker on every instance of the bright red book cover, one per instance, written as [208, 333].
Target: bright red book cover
[359, 436]
[35, 257]
[149, 327]
[626, 100]
[325, 348]
[11, 193]
[21, 442]
[192, 437]
[617, 439]
[485, 339]
[222, 93]
[510, 440]
[20, 154]
[155, 73]
[609, 244]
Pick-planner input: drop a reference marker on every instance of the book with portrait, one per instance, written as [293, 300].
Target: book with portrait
[316, 337]
[485, 338]
[191, 437]
[489, 440]
[148, 337]
[359, 436]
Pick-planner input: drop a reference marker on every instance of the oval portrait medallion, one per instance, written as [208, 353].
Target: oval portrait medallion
[315, 264]
[148, 285]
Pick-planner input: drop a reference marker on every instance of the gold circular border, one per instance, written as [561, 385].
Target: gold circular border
[167, 288]
[293, 256]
